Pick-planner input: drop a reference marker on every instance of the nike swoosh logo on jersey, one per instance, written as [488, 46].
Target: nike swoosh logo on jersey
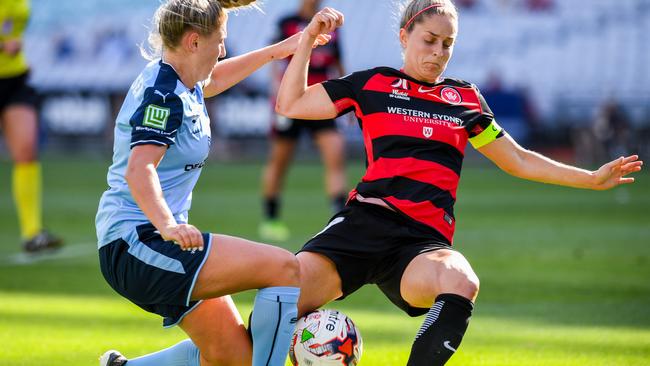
[424, 91]
[448, 346]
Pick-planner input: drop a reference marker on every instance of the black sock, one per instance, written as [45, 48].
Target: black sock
[271, 208]
[442, 331]
[338, 202]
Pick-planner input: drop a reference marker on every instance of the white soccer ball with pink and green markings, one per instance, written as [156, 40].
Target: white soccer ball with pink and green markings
[325, 337]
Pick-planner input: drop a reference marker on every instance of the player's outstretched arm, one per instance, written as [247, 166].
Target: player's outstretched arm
[144, 184]
[229, 72]
[295, 99]
[526, 164]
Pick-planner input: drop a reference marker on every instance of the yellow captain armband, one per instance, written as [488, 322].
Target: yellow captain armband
[488, 135]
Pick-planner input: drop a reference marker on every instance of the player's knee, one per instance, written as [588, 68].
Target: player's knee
[465, 283]
[459, 278]
[287, 270]
[24, 155]
[471, 286]
[222, 356]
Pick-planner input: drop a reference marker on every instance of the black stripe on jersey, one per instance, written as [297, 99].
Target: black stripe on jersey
[410, 147]
[409, 189]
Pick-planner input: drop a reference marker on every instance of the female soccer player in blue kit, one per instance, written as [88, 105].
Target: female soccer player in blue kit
[397, 228]
[148, 251]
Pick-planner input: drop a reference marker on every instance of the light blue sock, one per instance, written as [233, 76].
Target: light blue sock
[272, 324]
[184, 353]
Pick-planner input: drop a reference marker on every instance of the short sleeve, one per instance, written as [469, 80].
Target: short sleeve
[157, 119]
[344, 92]
[483, 128]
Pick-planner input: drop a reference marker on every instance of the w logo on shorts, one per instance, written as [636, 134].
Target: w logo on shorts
[156, 117]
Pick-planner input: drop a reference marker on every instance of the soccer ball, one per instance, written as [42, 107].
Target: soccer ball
[325, 337]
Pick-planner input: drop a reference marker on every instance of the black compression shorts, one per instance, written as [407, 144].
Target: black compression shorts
[372, 244]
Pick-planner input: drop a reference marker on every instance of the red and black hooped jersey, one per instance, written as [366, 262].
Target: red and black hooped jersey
[415, 135]
[323, 59]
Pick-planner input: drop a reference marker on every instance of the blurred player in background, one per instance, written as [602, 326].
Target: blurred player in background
[325, 64]
[19, 123]
[397, 230]
[148, 251]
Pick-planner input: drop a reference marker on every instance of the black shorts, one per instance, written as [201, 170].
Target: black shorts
[155, 274]
[372, 244]
[287, 128]
[14, 91]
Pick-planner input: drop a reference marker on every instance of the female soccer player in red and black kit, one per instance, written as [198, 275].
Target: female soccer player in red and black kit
[397, 228]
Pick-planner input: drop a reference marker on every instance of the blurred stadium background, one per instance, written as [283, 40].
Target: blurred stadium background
[547, 67]
[564, 272]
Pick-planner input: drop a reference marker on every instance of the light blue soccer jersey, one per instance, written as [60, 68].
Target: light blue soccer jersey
[158, 110]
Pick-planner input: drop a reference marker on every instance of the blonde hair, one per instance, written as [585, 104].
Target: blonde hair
[174, 17]
[416, 10]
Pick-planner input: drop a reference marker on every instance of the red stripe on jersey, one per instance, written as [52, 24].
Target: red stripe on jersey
[388, 84]
[419, 170]
[389, 124]
[345, 103]
[426, 213]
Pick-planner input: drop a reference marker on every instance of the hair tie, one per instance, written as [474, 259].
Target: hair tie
[437, 5]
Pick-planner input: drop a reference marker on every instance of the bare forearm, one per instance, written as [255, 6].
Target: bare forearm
[147, 193]
[231, 71]
[294, 82]
[539, 168]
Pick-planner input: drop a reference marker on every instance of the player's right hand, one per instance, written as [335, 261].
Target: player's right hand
[614, 173]
[187, 236]
[324, 22]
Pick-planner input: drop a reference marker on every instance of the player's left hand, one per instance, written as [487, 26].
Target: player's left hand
[288, 47]
[613, 173]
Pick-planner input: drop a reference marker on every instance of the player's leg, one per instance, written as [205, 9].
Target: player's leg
[283, 146]
[218, 330]
[236, 264]
[319, 282]
[332, 149]
[20, 128]
[214, 327]
[228, 264]
[443, 282]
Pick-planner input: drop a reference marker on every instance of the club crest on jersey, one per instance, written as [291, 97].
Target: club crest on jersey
[156, 117]
[427, 131]
[451, 95]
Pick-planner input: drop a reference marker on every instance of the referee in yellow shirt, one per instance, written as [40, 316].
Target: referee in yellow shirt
[18, 121]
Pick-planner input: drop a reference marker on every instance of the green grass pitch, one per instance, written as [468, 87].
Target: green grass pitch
[565, 273]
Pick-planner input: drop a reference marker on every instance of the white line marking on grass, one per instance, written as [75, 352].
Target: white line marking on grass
[67, 252]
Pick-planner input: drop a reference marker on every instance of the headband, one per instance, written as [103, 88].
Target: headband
[406, 26]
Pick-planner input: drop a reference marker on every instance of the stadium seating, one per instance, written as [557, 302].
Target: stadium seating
[577, 54]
